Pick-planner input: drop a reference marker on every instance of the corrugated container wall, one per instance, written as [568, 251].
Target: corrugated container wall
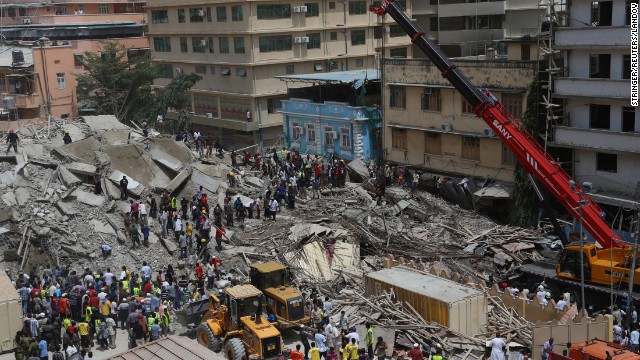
[10, 313]
[460, 308]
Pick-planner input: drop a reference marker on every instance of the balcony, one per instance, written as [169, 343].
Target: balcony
[240, 125]
[597, 139]
[89, 18]
[593, 37]
[457, 36]
[479, 8]
[593, 88]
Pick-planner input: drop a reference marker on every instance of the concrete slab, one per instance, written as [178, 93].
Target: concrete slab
[112, 190]
[104, 122]
[100, 227]
[134, 187]
[178, 180]
[153, 239]
[7, 177]
[88, 198]
[358, 171]
[9, 198]
[254, 181]
[68, 178]
[82, 150]
[34, 150]
[22, 196]
[170, 245]
[81, 168]
[67, 208]
[10, 158]
[177, 149]
[166, 160]
[207, 182]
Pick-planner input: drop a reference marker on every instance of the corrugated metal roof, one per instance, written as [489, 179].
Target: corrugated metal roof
[498, 190]
[425, 284]
[170, 348]
[355, 77]
[8, 293]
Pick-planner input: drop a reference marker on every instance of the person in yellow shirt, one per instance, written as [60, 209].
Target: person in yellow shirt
[85, 340]
[67, 322]
[353, 350]
[344, 352]
[105, 307]
[314, 352]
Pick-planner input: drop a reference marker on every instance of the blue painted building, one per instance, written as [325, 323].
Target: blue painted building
[332, 128]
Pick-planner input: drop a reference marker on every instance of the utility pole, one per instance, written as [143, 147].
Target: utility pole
[632, 270]
[581, 203]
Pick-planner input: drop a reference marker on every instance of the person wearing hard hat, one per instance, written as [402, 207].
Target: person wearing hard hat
[12, 140]
[66, 138]
[541, 294]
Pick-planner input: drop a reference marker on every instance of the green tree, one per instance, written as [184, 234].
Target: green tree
[114, 84]
[526, 200]
[176, 96]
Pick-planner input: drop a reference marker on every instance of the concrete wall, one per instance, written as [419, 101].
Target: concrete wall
[580, 329]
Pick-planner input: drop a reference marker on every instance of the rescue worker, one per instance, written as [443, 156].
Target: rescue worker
[66, 138]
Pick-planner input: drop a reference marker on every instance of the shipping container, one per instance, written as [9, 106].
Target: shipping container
[10, 313]
[459, 307]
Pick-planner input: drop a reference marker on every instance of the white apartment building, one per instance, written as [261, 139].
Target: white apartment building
[600, 129]
[469, 27]
[239, 46]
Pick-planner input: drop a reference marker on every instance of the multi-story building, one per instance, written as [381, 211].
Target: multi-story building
[600, 128]
[428, 124]
[239, 46]
[464, 27]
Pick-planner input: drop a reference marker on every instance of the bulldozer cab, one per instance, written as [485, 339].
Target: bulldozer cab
[269, 274]
[244, 300]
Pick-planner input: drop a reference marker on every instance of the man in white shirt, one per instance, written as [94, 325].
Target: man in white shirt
[635, 340]
[617, 333]
[353, 335]
[273, 208]
[561, 304]
[145, 270]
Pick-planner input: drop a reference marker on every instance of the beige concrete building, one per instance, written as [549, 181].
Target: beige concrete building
[239, 46]
[427, 124]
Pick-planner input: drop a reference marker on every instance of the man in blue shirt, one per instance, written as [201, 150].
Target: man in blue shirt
[44, 352]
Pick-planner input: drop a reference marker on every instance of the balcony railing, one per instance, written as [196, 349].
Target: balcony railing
[593, 37]
[593, 88]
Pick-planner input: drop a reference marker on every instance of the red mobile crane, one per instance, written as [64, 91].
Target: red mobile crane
[535, 160]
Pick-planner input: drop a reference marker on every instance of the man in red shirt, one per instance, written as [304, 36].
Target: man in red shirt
[135, 209]
[94, 301]
[219, 232]
[148, 288]
[296, 354]
[416, 353]
[199, 272]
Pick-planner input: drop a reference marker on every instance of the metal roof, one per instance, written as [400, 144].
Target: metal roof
[170, 348]
[497, 190]
[6, 59]
[354, 77]
[424, 284]
[243, 291]
[269, 266]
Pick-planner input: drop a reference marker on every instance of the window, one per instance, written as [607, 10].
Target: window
[196, 15]
[103, 8]
[313, 10]
[77, 60]
[628, 119]
[311, 133]
[318, 67]
[62, 83]
[314, 41]
[601, 13]
[466, 107]
[398, 53]
[208, 14]
[205, 104]
[165, 71]
[162, 44]
[433, 23]
[377, 32]
[184, 47]
[296, 131]
[513, 104]
[432, 143]
[289, 69]
[431, 100]
[159, 16]
[238, 45]
[525, 51]
[626, 66]
[274, 11]
[210, 44]
[241, 72]
[399, 139]
[328, 136]
[181, 17]
[236, 13]
[396, 31]
[221, 12]
[627, 13]
[198, 44]
[225, 71]
[607, 162]
[212, 70]
[357, 37]
[508, 158]
[357, 7]
[599, 66]
[275, 43]
[600, 116]
[397, 97]
[223, 43]
[201, 69]
[274, 104]
[482, 22]
[345, 137]
[333, 35]
[359, 62]
[470, 148]
[235, 108]
[332, 5]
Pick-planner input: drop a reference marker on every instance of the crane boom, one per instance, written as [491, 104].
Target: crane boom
[533, 157]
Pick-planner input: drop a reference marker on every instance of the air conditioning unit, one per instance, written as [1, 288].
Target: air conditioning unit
[178, 70]
[303, 9]
[203, 42]
[489, 132]
[387, 29]
[201, 12]
[335, 135]
[299, 9]
[300, 129]
[210, 115]
[26, 21]
[301, 39]
[447, 127]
